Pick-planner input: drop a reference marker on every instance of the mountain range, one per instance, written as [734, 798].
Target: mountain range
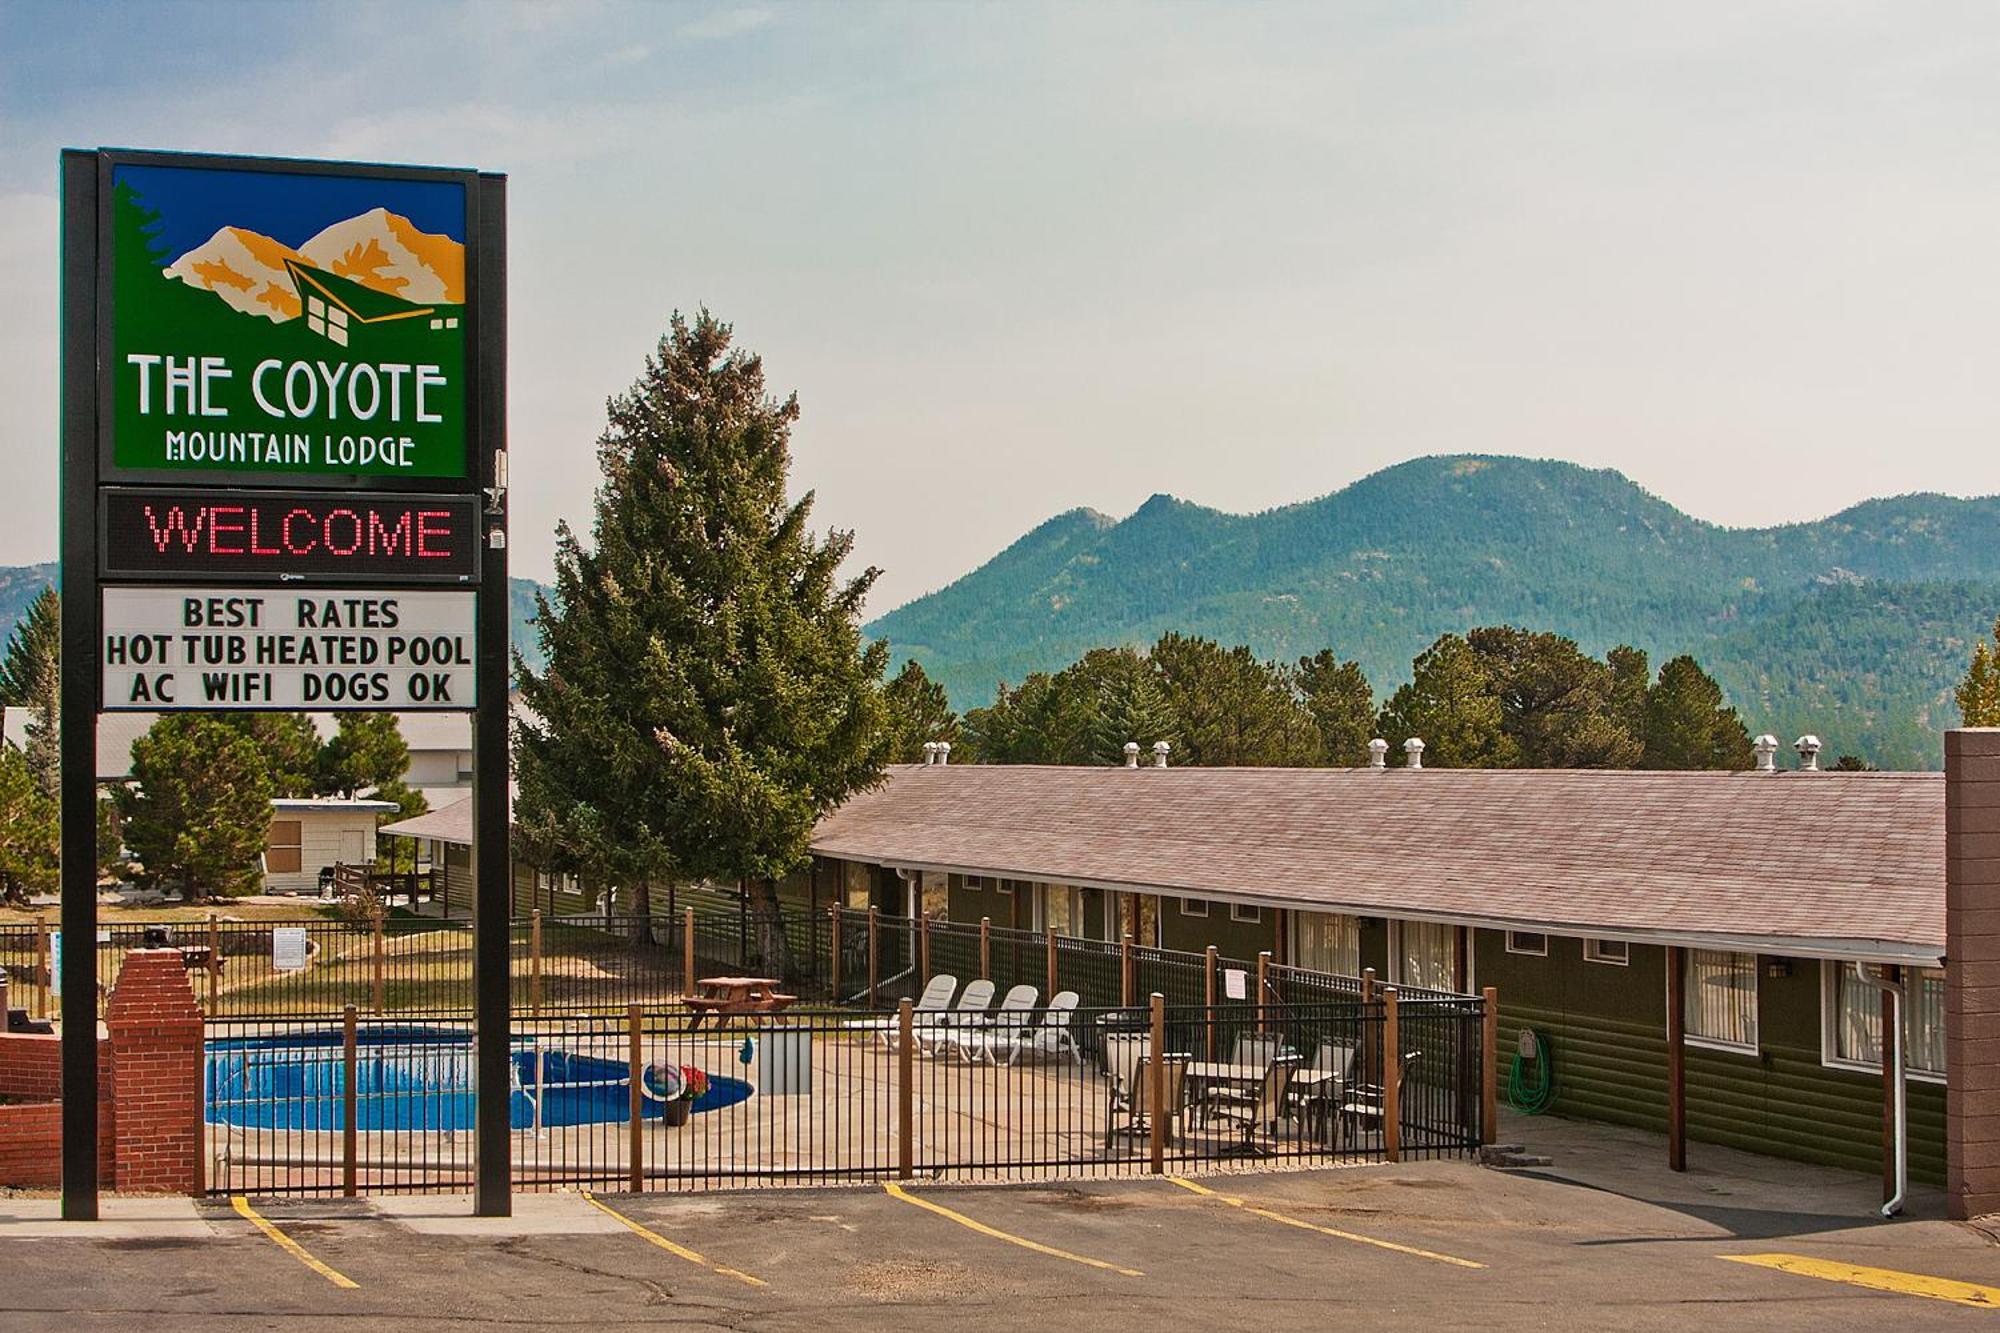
[380, 250]
[1854, 627]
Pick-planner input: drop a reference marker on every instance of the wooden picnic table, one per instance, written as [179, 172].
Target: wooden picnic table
[730, 997]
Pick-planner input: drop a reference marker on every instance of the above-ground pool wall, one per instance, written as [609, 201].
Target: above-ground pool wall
[1607, 1025]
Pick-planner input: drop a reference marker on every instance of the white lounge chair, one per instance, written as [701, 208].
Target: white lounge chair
[970, 1011]
[985, 1036]
[935, 1000]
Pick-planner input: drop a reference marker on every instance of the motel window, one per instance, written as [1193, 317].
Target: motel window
[1528, 942]
[1194, 907]
[934, 894]
[857, 885]
[1326, 942]
[1615, 952]
[1145, 927]
[1424, 954]
[1244, 912]
[1721, 999]
[1062, 910]
[285, 853]
[1853, 1020]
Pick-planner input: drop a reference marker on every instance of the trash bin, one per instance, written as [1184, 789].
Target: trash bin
[784, 1062]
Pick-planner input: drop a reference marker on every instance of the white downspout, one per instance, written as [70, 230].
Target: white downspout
[1892, 1068]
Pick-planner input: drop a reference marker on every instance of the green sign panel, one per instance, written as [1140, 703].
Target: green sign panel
[288, 323]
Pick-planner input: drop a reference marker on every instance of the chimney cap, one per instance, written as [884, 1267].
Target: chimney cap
[1160, 749]
[1378, 750]
[1413, 750]
[944, 752]
[1131, 754]
[1808, 747]
[1765, 747]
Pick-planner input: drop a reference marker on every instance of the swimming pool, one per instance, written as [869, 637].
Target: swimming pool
[415, 1079]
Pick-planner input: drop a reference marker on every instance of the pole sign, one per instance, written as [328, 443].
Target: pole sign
[287, 320]
[208, 647]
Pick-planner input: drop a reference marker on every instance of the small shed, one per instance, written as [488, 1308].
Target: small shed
[313, 832]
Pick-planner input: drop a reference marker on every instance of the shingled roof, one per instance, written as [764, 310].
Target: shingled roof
[1845, 865]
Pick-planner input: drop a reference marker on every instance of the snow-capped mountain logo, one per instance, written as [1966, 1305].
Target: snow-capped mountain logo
[379, 250]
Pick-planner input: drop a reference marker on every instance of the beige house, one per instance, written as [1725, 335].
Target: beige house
[312, 833]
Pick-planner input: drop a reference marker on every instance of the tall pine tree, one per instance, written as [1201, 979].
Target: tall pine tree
[918, 713]
[1979, 693]
[31, 680]
[1687, 723]
[707, 696]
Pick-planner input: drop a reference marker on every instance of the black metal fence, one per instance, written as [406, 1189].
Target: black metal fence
[657, 1099]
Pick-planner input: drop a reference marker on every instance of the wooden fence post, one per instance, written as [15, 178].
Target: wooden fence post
[635, 1098]
[985, 948]
[1263, 989]
[1392, 1080]
[687, 951]
[874, 953]
[349, 1103]
[1156, 1093]
[1208, 997]
[214, 960]
[378, 981]
[1489, 1079]
[535, 962]
[1125, 978]
[1050, 961]
[906, 1041]
[833, 966]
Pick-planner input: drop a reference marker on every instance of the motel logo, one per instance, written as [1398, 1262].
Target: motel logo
[288, 323]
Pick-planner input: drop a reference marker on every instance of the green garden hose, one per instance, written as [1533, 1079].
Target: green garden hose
[1531, 1081]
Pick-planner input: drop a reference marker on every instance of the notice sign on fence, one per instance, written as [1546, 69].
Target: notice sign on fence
[288, 948]
[171, 649]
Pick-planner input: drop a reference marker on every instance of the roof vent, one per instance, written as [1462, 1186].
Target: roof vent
[930, 753]
[1413, 752]
[1131, 754]
[1808, 748]
[1160, 754]
[1378, 752]
[1766, 748]
[944, 752]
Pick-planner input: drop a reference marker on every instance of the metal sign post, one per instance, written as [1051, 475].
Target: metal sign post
[284, 488]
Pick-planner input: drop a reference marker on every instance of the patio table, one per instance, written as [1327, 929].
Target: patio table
[729, 997]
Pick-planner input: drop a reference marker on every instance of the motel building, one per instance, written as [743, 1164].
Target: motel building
[1723, 932]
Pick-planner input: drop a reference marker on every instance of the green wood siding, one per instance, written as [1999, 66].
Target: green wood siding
[1607, 1026]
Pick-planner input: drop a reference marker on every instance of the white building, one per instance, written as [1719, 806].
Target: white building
[311, 834]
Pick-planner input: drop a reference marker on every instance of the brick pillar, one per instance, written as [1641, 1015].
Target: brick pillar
[1972, 971]
[156, 1051]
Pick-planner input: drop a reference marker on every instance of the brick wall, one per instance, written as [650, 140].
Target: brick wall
[1972, 971]
[31, 1132]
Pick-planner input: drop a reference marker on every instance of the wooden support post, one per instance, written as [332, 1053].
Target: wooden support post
[833, 961]
[378, 986]
[1161, 1114]
[535, 962]
[350, 1116]
[687, 951]
[214, 960]
[985, 948]
[43, 964]
[635, 1098]
[906, 1090]
[1263, 989]
[1894, 974]
[1278, 953]
[1489, 1067]
[874, 953]
[924, 947]
[1208, 998]
[1676, 1058]
[1049, 961]
[1392, 1080]
[1458, 968]
[1125, 975]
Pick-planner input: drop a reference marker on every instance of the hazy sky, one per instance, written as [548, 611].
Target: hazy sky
[1017, 259]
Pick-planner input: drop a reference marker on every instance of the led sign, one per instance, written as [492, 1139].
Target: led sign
[302, 535]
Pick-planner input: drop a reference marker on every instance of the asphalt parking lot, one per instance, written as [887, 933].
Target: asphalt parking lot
[1446, 1244]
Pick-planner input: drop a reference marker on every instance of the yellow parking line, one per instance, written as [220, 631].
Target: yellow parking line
[679, 1251]
[1335, 1232]
[288, 1245]
[1877, 1279]
[898, 1192]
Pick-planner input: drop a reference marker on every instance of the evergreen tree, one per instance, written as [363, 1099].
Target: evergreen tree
[290, 745]
[1123, 703]
[1342, 707]
[1450, 704]
[1556, 703]
[1979, 693]
[198, 809]
[1687, 723]
[707, 696]
[1231, 707]
[31, 680]
[918, 712]
[1631, 679]
[30, 832]
[366, 751]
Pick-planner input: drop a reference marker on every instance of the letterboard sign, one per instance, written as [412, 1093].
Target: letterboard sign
[150, 533]
[209, 647]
